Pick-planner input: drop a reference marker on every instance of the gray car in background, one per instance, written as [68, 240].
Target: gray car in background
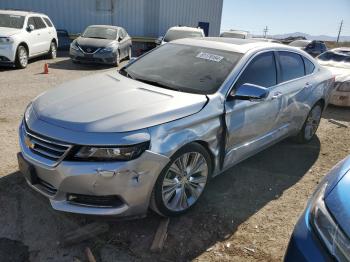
[154, 133]
[102, 44]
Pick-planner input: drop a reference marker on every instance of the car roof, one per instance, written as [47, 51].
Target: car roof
[106, 26]
[342, 50]
[229, 44]
[19, 12]
[185, 28]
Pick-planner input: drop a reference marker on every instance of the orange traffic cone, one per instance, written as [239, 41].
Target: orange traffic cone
[46, 68]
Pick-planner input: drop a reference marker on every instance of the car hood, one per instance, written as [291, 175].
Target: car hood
[7, 31]
[338, 197]
[94, 42]
[341, 73]
[110, 102]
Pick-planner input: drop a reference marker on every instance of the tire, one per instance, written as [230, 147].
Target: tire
[117, 59]
[178, 189]
[129, 53]
[310, 126]
[53, 51]
[21, 57]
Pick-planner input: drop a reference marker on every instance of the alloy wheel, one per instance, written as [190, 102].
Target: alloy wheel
[184, 181]
[312, 122]
[23, 57]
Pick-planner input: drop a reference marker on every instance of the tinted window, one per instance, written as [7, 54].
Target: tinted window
[48, 22]
[292, 65]
[31, 22]
[260, 71]
[192, 69]
[309, 66]
[334, 56]
[39, 23]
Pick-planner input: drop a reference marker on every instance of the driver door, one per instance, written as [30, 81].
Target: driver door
[253, 125]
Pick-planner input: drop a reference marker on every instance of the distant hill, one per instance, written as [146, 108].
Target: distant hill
[312, 37]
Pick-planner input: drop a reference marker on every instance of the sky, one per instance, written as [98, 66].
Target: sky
[315, 17]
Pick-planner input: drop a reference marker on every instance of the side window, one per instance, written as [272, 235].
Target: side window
[31, 22]
[292, 65]
[39, 23]
[48, 22]
[309, 66]
[260, 71]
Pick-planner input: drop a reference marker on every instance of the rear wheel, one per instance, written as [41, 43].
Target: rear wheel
[182, 182]
[21, 57]
[53, 50]
[311, 124]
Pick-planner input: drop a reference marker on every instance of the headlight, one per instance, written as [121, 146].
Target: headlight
[126, 153]
[28, 111]
[108, 49]
[333, 237]
[344, 87]
[74, 45]
[6, 40]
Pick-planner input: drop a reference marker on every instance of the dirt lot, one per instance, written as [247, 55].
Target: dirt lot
[246, 214]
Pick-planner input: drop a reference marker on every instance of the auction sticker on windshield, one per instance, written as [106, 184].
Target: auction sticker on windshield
[211, 57]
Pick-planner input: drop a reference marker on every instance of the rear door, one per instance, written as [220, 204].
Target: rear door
[295, 86]
[253, 125]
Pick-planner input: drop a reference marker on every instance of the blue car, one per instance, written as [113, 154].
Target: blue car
[323, 231]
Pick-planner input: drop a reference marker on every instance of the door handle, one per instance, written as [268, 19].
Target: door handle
[276, 95]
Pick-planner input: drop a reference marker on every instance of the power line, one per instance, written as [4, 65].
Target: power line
[266, 29]
[340, 28]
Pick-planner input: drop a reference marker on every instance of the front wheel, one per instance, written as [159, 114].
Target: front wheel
[53, 50]
[21, 57]
[311, 125]
[182, 181]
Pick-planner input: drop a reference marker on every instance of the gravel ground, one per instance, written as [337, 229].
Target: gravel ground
[246, 214]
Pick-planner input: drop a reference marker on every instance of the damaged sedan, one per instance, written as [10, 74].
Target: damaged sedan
[156, 132]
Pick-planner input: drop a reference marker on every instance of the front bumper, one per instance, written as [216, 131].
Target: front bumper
[109, 58]
[131, 182]
[7, 54]
[339, 98]
[305, 245]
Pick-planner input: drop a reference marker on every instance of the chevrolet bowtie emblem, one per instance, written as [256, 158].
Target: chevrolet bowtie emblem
[29, 143]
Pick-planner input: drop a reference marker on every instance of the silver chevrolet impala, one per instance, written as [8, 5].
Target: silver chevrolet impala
[154, 133]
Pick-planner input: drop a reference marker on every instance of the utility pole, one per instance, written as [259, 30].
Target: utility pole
[265, 31]
[340, 28]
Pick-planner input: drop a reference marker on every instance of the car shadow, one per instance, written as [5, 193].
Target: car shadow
[230, 199]
[337, 113]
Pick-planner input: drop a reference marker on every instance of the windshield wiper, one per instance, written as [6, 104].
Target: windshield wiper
[155, 83]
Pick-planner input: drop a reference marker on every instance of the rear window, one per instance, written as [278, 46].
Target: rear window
[177, 34]
[261, 71]
[191, 69]
[309, 66]
[292, 65]
[48, 22]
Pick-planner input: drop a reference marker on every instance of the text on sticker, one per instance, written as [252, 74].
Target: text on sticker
[211, 57]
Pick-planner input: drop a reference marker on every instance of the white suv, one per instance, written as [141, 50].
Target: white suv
[178, 32]
[24, 35]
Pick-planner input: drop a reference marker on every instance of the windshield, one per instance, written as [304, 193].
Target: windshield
[299, 43]
[177, 34]
[334, 57]
[11, 21]
[184, 68]
[100, 32]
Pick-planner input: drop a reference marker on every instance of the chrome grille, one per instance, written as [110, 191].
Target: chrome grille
[45, 147]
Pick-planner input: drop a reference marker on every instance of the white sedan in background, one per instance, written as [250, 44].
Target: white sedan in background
[338, 61]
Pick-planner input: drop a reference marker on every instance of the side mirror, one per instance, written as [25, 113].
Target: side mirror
[249, 92]
[159, 40]
[30, 28]
[120, 38]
